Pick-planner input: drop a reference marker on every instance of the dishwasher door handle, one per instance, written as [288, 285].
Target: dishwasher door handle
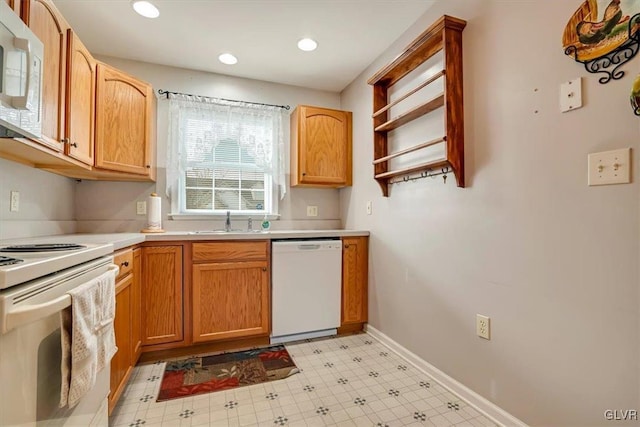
[308, 247]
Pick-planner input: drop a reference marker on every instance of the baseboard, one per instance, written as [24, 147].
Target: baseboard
[489, 409]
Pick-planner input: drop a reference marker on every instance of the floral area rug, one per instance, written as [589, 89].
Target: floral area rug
[206, 374]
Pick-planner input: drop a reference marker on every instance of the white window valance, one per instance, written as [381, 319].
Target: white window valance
[224, 155]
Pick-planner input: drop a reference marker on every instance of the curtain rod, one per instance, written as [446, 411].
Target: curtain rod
[167, 93]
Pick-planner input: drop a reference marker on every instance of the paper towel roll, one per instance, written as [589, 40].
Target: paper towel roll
[154, 214]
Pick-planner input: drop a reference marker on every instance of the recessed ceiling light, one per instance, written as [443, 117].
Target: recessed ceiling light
[227, 58]
[307, 45]
[145, 8]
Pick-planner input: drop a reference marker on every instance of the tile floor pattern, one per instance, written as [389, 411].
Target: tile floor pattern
[347, 381]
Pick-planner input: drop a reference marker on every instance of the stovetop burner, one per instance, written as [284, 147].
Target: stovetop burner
[43, 247]
[9, 261]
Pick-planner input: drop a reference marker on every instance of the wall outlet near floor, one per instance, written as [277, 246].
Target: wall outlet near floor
[14, 205]
[483, 326]
[141, 208]
[312, 211]
[369, 207]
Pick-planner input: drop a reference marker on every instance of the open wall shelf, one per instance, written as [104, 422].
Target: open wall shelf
[444, 35]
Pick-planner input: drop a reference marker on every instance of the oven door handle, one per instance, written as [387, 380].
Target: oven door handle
[33, 312]
[29, 313]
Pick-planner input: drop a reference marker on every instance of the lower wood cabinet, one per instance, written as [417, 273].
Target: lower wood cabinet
[126, 323]
[136, 302]
[161, 293]
[230, 290]
[354, 280]
[223, 294]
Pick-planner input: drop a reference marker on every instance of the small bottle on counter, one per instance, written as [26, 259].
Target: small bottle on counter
[266, 224]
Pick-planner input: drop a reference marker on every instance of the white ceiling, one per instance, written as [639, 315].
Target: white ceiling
[262, 33]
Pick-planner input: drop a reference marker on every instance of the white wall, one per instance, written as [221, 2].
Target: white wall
[553, 262]
[46, 202]
[111, 206]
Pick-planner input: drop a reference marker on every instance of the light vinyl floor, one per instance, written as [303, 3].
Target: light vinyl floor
[347, 381]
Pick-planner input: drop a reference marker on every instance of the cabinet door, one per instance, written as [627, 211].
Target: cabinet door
[162, 308]
[230, 300]
[136, 301]
[81, 95]
[121, 362]
[15, 5]
[123, 122]
[48, 24]
[324, 144]
[354, 280]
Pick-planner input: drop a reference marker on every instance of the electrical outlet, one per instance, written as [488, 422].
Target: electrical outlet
[14, 205]
[369, 207]
[141, 208]
[483, 326]
[312, 211]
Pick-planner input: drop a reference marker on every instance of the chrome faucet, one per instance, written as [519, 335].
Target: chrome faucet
[227, 223]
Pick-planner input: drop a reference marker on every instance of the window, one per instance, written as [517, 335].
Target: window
[224, 157]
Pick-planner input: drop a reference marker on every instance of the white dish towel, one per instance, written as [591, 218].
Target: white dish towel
[88, 338]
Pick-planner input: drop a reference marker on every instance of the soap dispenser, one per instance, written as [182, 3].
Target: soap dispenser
[266, 224]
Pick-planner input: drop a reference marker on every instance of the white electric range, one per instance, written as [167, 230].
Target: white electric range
[34, 281]
[22, 263]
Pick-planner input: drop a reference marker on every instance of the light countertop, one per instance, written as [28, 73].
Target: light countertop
[122, 240]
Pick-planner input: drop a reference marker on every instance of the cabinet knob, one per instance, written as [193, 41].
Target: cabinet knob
[65, 140]
[148, 166]
[264, 268]
[74, 145]
[346, 246]
[125, 264]
[304, 174]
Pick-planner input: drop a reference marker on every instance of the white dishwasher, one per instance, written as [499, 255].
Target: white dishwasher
[306, 287]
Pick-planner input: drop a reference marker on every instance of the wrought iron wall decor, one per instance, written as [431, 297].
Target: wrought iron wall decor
[603, 43]
[635, 96]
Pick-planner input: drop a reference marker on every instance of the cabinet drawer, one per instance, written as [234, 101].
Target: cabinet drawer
[124, 260]
[230, 251]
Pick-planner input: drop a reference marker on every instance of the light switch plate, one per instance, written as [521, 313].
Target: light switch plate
[369, 207]
[312, 211]
[571, 95]
[141, 208]
[610, 167]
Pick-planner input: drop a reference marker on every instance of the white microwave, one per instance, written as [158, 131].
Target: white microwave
[21, 61]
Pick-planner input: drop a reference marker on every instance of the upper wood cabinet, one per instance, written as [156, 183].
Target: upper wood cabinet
[320, 147]
[162, 309]
[50, 27]
[81, 95]
[124, 134]
[354, 280]
[15, 5]
[230, 290]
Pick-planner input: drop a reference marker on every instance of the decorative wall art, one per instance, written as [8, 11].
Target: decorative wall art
[635, 96]
[602, 34]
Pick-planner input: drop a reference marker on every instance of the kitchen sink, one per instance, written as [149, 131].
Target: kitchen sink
[228, 232]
